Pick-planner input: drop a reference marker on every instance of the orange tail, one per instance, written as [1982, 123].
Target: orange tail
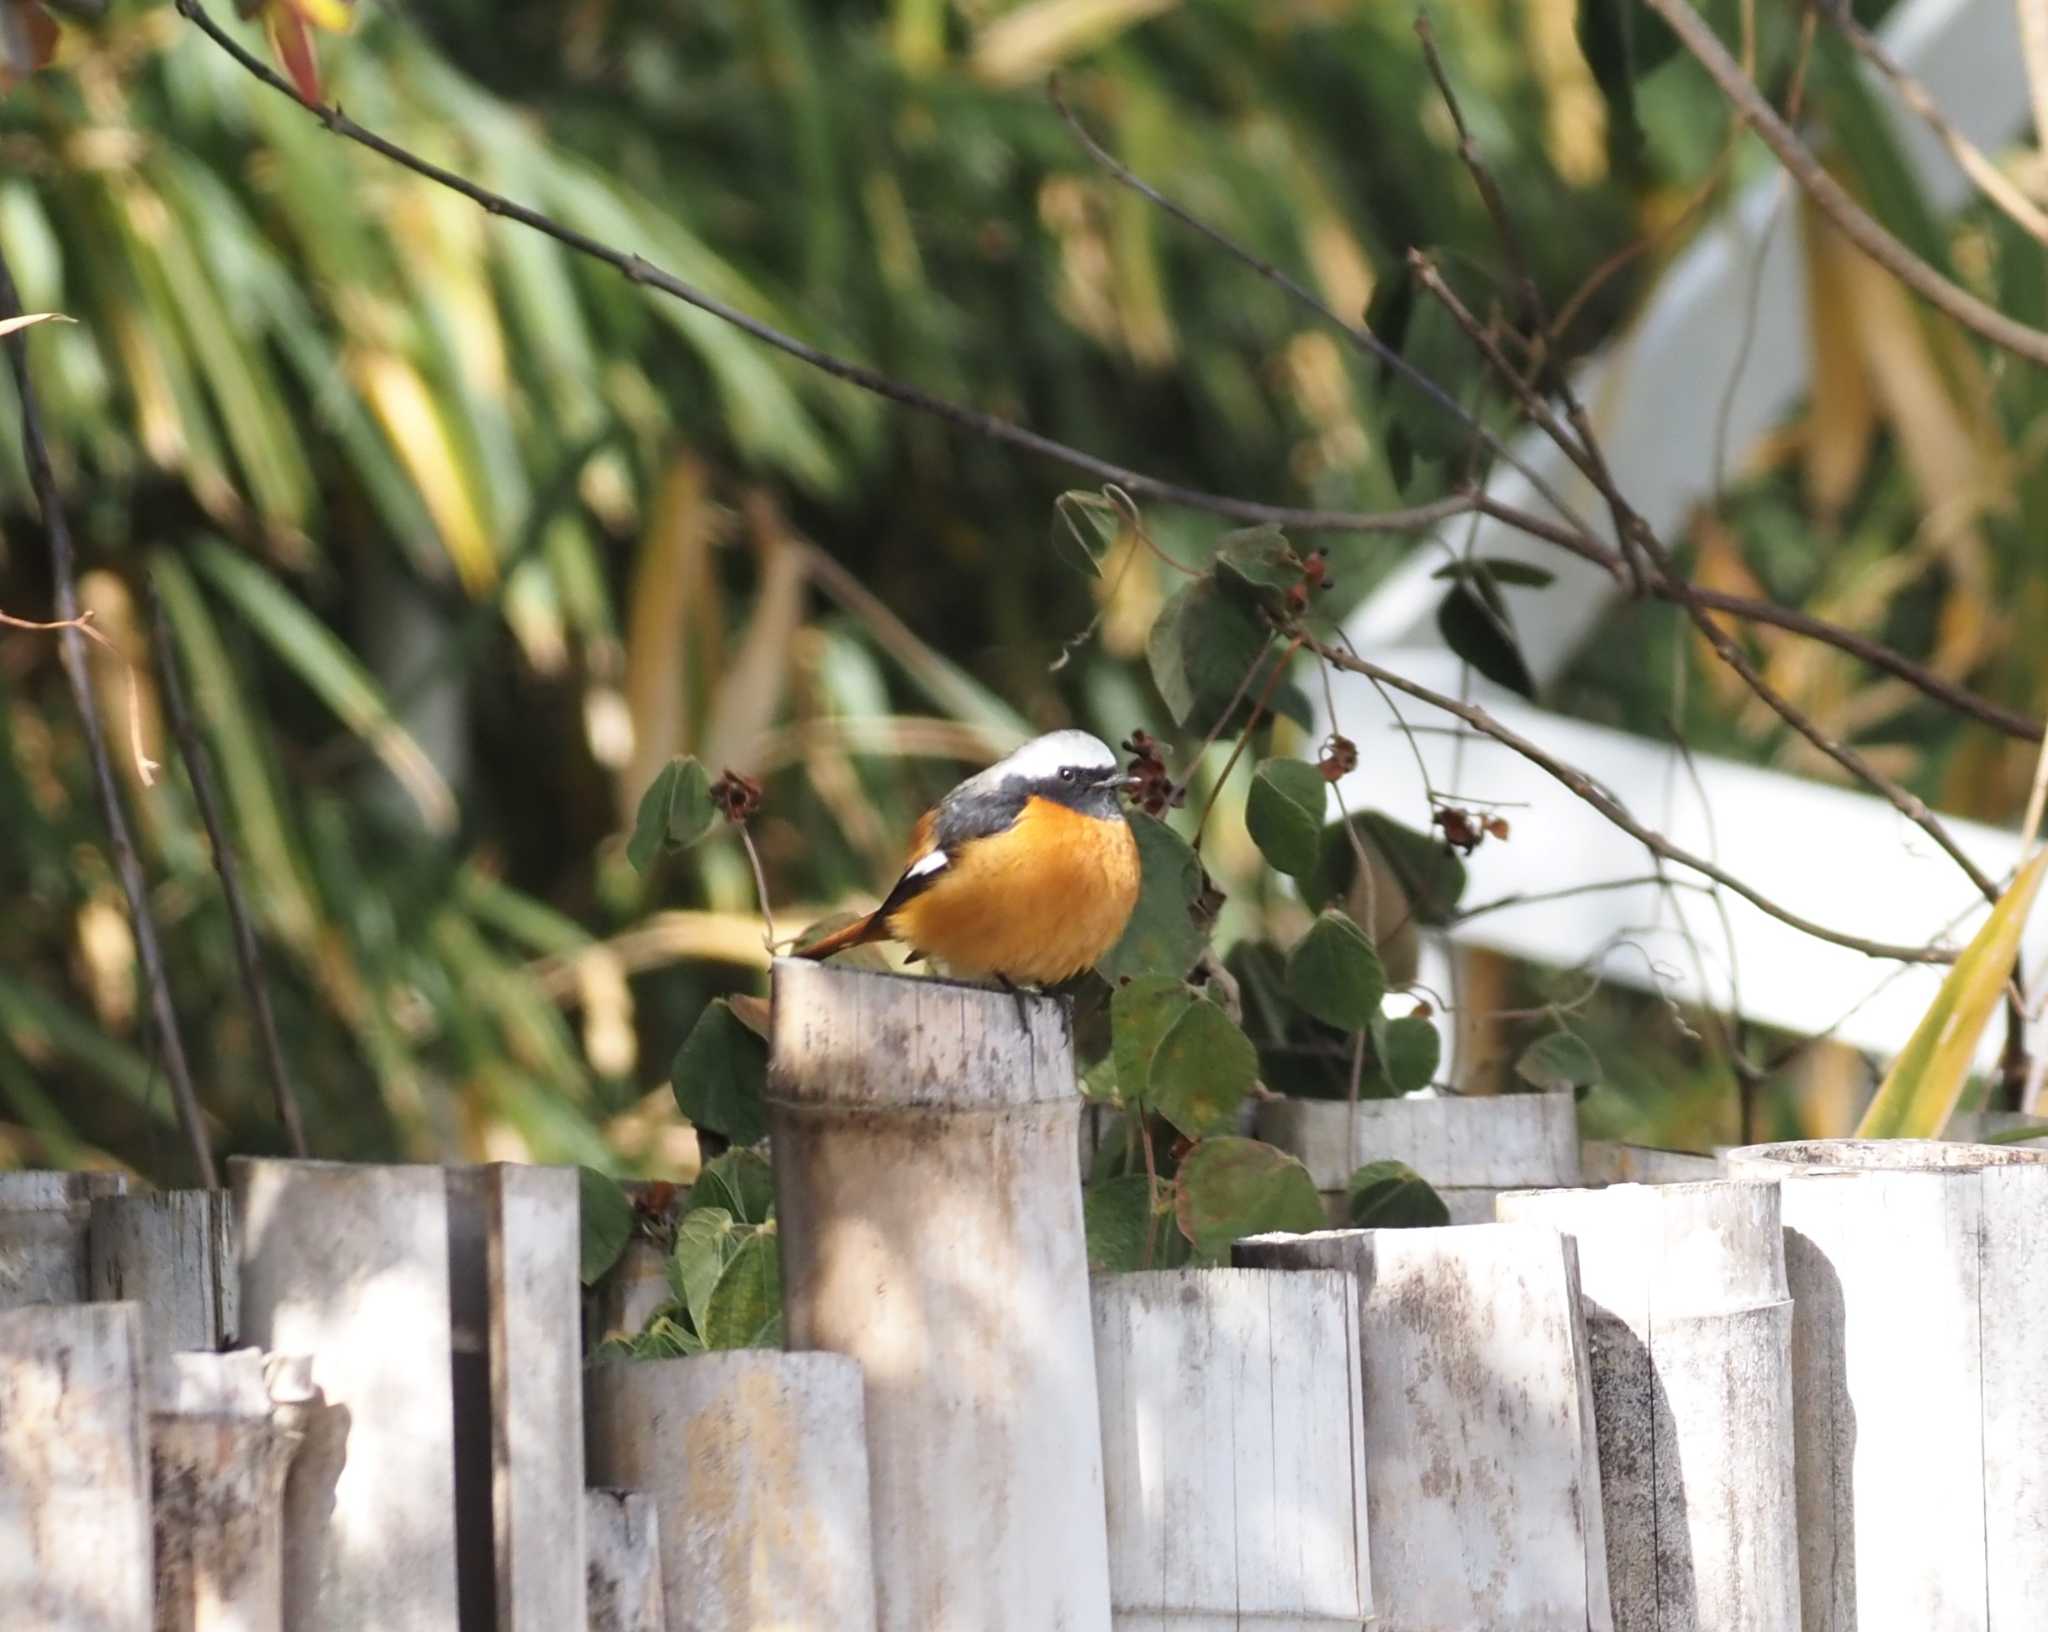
[871, 928]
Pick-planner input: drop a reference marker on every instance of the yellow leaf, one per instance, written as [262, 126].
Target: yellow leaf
[1842, 421]
[1027, 43]
[413, 423]
[1920, 1091]
[11, 324]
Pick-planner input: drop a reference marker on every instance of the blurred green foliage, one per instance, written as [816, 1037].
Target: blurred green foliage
[461, 538]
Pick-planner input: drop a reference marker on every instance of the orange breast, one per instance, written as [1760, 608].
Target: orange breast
[1037, 903]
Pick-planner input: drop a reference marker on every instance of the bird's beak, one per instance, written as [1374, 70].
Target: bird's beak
[1115, 779]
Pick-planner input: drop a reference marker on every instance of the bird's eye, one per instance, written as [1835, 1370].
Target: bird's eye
[1067, 773]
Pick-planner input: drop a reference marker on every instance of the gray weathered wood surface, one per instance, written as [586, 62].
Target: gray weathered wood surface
[757, 1465]
[349, 1264]
[172, 1252]
[1691, 1339]
[622, 1548]
[218, 1459]
[930, 1213]
[74, 1470]
[1233, 1442]
[1470, 1147]
[1482, 1470]
[1918, 1271]
[516, 1302]
[43, 1218]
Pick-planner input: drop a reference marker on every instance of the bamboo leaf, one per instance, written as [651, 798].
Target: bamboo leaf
[1921, 1090]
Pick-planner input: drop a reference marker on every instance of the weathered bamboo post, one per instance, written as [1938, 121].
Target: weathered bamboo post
[172, 1252]
[926, 1174]
[74, 1470]
[1470, 1147]
[218, 1455]
[1608, 1161]
[1690, 1330]
[1919, 1278]
[516, 1315]
[349, 1265]
[622, 1543]
[757, 1464]
[43, 1218]
[1482, 1473]
[1233, 1449]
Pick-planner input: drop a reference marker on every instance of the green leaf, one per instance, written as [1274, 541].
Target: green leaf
[745, 1308]
[1284, 812]
[1920, 1091]
[1427, 870]
[1202, 646]
[1117, 1214]
[1229, 1188]
[1408, 1049]
[740, 1181]
[1561, 1060]
[1334, 973]
[706, 1241]
[720, 1074]
[1498, 569]
[1476, 627]
[675, 812]
[1203, 1069]
[1165, 936]
[1393, 1196]
[664, 1340]
[1141, 1013]
[606, 1222]
[1258, 566]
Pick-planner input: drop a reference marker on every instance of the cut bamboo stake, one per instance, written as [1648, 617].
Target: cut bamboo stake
[757, 1464]
[349, 1264]
[1233, 1450]
[1482, 1473]
[218, 1458]
[1919, 1278]
[516, 1309]
[622, 1542]
[1470, 1147]
[74, 1470]
[1607, 1161]
[927, 1186]
[172, 1252]
[1690, 1331]
[43, 1219]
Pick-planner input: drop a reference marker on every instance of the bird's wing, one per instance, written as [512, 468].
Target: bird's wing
[927, 861]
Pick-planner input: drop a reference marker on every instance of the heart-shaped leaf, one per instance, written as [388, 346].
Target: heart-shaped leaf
[1476, 627]
[1393, 1196]
[1257, 565]
[1229, 1188]
[1179, 1054]
[720, 1074]
[606, 1215]
[1561, 1060]
[740, 1181]
[1334, 973]
[675, 812]
[1202, 646]
[744, 1310]
[1284, 813]
[1164, 936]
[1408, 1049]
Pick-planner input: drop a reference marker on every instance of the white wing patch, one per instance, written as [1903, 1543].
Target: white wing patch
[933, 861]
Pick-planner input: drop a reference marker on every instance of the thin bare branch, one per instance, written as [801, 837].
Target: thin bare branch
[1857, 224]
[248, 954]
[1991, 181]
[71, 646]
[637, 269]
[1580, 784]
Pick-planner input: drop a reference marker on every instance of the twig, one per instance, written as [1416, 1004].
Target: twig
[1992, 182]
[760, 887]
[1577, 782]
[1857, 224]
[639, 270]
[1582, 447]
[2034, 49]
[71, 645]
[248, 955]
[1361, 338]
[1531, 898]
[145, 767]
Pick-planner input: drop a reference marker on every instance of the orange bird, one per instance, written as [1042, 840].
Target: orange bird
[1026, 872]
